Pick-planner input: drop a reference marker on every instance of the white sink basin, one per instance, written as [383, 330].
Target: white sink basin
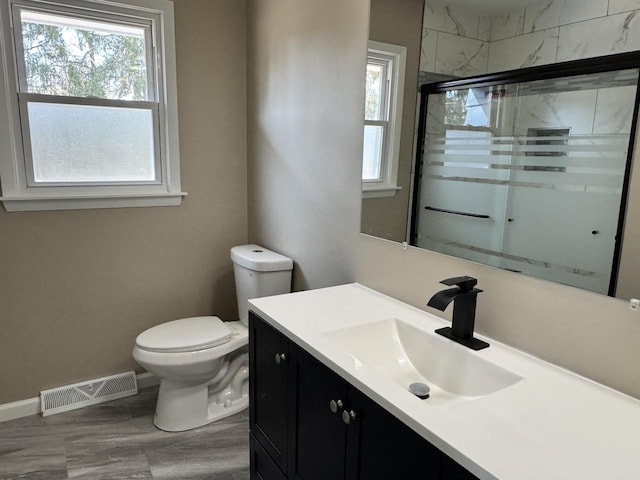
[405, 354]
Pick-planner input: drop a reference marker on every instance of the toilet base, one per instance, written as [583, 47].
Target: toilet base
[187, 405]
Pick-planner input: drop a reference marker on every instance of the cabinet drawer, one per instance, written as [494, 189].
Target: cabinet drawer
[262, 466]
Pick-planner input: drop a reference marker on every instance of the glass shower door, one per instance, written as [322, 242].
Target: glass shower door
[528, 176]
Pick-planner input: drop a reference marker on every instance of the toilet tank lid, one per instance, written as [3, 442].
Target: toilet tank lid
[259, 259]
[185, 335]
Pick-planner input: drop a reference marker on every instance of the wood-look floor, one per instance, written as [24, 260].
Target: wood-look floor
[117, 440]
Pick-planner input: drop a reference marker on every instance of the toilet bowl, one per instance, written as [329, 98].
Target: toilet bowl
[202, 362]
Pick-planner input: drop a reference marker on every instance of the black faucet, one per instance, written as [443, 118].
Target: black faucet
[463, 295]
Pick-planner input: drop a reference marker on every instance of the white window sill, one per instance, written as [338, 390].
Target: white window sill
[378, 192]
[79, 202]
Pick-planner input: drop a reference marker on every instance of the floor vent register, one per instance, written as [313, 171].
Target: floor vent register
[79, 395]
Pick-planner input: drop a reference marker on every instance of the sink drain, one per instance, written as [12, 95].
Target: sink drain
[420, 390]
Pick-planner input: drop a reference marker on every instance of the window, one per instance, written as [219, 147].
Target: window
[383, 115]
[89, 103]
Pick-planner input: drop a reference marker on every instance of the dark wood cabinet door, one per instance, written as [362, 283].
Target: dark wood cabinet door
[295, 434]
[262, 466]
[318, 435]
[381, 447]
[268, 388]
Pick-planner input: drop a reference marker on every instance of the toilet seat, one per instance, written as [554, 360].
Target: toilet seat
[185, 335]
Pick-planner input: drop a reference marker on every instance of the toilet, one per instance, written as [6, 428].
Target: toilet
[203, 362]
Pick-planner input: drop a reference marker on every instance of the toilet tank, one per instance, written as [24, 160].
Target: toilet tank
[259, 273]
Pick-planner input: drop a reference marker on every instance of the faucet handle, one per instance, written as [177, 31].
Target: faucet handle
[464, 283]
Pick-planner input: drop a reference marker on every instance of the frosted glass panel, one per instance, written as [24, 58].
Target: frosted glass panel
[372, 164]
[74, 143]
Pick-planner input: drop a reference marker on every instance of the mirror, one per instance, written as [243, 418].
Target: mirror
[454, 41]
[529, 176]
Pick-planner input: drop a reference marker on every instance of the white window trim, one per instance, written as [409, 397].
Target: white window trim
[17, 195]
[388, 185]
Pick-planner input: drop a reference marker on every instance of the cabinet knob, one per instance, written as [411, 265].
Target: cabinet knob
[348, 416]
[334, 405]
[280, 357]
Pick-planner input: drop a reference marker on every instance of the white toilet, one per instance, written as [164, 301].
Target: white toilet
[202, 362]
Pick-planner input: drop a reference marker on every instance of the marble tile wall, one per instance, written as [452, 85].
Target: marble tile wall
[462, 42]
[455, 41]
[615, 34]
[461, 56]
[554, 13]
[573, 110]
[507, 25]
[429, 50]
[619, 6]
[614, 110]
[551, 31]
[462, 22]
[537, 48]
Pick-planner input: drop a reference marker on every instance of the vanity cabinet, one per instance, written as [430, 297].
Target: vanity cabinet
[308, 423]
[318, 436]
[269, 389]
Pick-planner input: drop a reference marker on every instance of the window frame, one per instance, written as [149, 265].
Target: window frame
[19, 190]
[395, 57]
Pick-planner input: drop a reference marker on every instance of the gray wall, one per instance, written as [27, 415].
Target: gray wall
[594, 335]
[305, 109]
[78, 286]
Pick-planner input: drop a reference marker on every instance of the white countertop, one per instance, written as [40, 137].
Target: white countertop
[552, 424]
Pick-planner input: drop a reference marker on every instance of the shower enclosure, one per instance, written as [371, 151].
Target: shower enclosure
[528, 170]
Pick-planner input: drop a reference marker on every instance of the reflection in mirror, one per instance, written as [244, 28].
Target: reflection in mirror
[528, 176]
[384, 93]
[448, 39]
[397, 23]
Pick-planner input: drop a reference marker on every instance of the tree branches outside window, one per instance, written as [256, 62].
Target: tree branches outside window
[81, 63]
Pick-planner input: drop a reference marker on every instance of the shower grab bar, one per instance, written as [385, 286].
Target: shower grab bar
[454, 212]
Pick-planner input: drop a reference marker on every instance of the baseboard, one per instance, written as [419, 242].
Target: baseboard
[146, 380]
[31, 406]
[21, 408]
